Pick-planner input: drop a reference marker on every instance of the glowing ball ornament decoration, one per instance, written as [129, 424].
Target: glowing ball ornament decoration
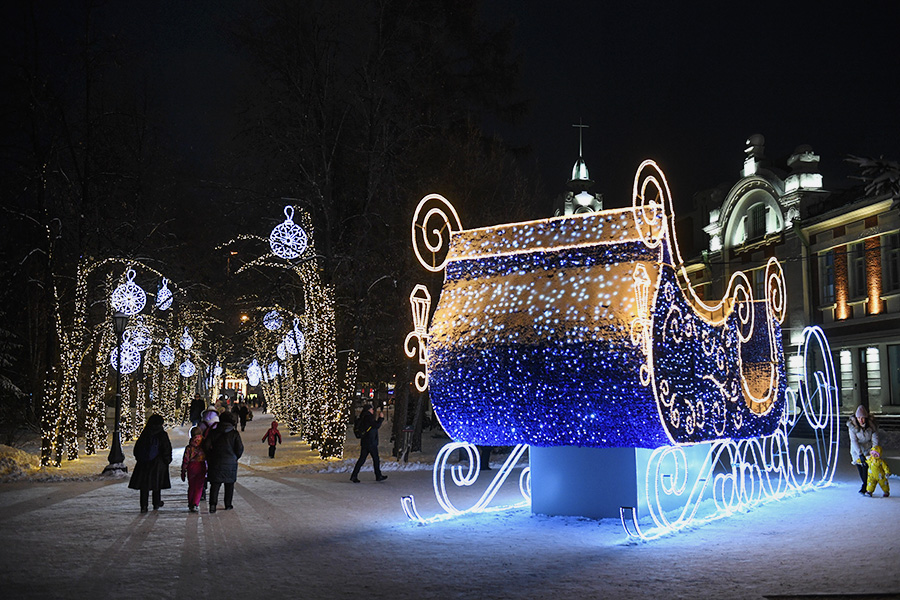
[128, 297]
[187, 368]
[272, 321]
[141, 337]
[167, 354]
[217, 371]
[186, 340]
[164, 296]
[131, 357]
[288, 240]
[294, 342]
[254, 373]
[280, 351]
[274, 369]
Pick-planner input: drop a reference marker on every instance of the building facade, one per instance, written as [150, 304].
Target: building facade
[840, 251]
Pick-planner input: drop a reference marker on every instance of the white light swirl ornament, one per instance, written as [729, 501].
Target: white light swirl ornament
[141, 337]
[433, 222]
[272, 321]
[186, 340]
[128, 297]
[131, 357]
[420, 304]
[164, 296]
[187, 368]
[288, 240]
[254, 373]
[167, 354]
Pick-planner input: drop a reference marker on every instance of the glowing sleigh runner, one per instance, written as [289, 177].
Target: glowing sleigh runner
[585, 331]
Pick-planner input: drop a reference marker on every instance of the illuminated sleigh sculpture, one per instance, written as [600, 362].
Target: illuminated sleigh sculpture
[585, 331]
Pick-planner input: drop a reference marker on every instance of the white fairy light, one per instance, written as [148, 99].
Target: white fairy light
[186, 340]
[164, 296]
[272, 321]
[166, 354]
[288, 240]
[128, 297]
[187, 368]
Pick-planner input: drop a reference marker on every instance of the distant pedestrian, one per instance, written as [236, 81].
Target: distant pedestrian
[273, 436]
[368, 443]
[863, 433]
[878, 472]
[153, 452]
[223, 449]
[193, 467]
[196, 410]
[242, 414]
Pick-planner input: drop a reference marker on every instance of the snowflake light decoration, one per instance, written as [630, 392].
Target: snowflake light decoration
[128, 297]
[273, 369]
[288, 240]
[186, 340]
[272, 320]
[164, 296]
[254, 373]
[280, 351]
[141, 337]
[187, 368]
[166, 354]
[131, 358]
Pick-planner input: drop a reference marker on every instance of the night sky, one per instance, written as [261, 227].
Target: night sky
[683, 83]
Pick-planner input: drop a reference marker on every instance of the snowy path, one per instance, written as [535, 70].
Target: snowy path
[316, 535]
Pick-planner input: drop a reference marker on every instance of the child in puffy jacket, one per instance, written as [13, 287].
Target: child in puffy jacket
[273, 436]
[193, 467]
[878, 472]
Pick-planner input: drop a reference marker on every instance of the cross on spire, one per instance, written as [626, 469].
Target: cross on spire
[581, 127]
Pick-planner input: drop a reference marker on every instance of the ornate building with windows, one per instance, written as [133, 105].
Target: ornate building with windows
[840, 250]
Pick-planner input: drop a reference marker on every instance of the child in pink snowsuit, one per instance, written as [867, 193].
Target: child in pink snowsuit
[273, 436]
[193, 466]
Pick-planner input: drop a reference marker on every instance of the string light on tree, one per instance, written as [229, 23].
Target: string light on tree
[128, 297]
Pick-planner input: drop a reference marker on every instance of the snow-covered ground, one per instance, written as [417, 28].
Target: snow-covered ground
[301, 529]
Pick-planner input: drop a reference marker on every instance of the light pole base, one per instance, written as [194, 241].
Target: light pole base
[115, 470]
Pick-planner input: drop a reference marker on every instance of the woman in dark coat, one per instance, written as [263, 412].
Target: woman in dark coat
[153, 452]
[224, 448]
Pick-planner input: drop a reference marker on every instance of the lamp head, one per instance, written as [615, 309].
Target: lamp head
[120, 320]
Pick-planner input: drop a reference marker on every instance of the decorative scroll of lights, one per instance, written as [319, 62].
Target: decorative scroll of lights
[164, 296]
[128, 297]
[187, 368]
[131, 356]
[141, 336]
[420, 301]
[186, 340]
[288, 240]
[739, 474]
[167, 354]
[254, 373]
[272, 321]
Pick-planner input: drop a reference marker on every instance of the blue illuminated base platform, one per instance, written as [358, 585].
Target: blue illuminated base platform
[596, 482]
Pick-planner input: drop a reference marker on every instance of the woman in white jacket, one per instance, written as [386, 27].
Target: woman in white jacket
[863, 432]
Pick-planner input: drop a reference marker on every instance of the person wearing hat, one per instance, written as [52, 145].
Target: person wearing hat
[368, 443]
[878, 472]
[863, 433]
[153, 453]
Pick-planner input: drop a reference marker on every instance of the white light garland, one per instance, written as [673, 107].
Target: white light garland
[128, 297]
[288, 240]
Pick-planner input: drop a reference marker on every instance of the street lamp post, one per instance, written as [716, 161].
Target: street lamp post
[116, 456]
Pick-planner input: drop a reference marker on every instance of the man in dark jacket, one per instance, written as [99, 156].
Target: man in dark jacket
[224, 448]
[368, 443]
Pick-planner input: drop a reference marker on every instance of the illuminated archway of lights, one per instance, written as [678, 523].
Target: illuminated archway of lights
[518, 286]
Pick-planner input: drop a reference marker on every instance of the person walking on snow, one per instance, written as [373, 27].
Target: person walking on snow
[878, 472]
[193, 467]
[223, 449]
[863, 433]
[368, 443]
[153, 452]
[273, 436]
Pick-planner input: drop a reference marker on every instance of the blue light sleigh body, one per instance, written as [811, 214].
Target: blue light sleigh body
[586, 331]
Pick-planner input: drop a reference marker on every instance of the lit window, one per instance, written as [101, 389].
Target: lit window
[891, 249]
[756, 221]
[826, 274]
[857, 257]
